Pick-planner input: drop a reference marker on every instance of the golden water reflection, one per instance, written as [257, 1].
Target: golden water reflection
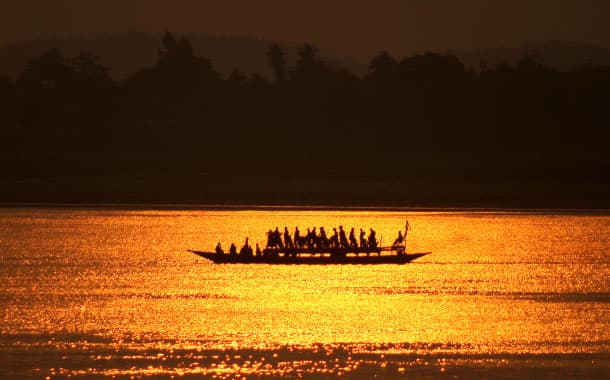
[115, 292]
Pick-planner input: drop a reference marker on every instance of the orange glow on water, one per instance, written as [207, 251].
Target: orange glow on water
[121, 286]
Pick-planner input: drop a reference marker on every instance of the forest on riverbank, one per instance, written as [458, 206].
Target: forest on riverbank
[416, 119]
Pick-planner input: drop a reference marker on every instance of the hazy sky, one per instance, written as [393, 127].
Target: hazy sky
[350, 27]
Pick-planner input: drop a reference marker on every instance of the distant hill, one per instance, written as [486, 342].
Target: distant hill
[127, 53]
[560, 54]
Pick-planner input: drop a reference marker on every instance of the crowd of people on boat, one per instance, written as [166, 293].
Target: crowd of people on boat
[312, 241]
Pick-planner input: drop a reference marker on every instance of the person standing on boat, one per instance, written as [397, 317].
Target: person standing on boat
[334, 239]
[305, 239]
[297, 238]
[372, 239]
[278, 238]
[323, 238]
[352, 239]
[287, 239]
[313, 238]
[362, 239]
[318, 239]
[342, 238]
[219, 250]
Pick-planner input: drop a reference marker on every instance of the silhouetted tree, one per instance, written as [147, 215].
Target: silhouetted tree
[427, 102]
[277, 60]
[45, 81]
[311, 75]
[307, 61]
[8, 107]
[383, 76]
[180, 86]
[257, 82]
[237, 79]
[432, 68]
[169, 47]
[383, 68]
[175, 54]
[432, 76]
[88, 69]
[50, 69]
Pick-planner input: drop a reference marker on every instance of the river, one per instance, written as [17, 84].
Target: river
[112, 292]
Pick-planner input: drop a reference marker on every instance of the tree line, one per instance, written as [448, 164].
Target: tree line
[422, 103]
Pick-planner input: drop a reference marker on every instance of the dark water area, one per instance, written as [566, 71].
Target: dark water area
[112, 293]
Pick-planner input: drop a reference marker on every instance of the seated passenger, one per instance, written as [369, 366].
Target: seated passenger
[309, 240]
[399, 240]
[246, 250]
[219, 250]
[334, 239]
[233, 250]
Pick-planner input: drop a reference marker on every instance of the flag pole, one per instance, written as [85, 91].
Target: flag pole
[407, 228]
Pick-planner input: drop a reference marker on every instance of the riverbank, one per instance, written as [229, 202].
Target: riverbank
[200, 190]
[436, 180]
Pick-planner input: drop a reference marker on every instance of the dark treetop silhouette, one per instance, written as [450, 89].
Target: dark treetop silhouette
[417, 119]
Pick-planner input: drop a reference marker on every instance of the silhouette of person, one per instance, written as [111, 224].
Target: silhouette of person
[314, 238]
[277, 237]
[233, 250]
[258, 251]
[246, 250]
[323, 238]
[372, 239]
[297, 238]
[352, 239]
[287, 238]
[308, 239]
[398, 240]
[334, 239]
[219, 250]
[342, 238]
[362, 239]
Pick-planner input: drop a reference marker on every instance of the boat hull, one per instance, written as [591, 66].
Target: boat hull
[312, 259]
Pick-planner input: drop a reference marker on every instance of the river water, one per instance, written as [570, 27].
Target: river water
[113, 293]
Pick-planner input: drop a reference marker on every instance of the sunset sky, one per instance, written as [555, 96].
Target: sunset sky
[349, 27]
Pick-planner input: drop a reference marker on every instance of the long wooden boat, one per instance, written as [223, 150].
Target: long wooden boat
[384, 255]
